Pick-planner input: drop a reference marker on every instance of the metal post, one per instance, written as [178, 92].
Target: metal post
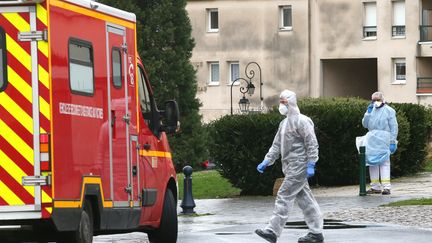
[362, 168]
[188, 203]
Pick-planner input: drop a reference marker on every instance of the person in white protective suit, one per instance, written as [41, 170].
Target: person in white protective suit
[380, 142]
[296, 142]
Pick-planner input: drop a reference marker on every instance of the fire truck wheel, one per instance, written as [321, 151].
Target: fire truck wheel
[167, 232]
[84, 234]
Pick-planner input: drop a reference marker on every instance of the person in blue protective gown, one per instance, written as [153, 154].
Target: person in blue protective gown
[380, 142]
[296, 143]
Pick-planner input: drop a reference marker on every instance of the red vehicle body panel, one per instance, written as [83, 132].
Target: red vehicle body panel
[96, 139]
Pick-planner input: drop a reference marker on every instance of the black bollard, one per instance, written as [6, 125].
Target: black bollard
[188, 203]
[362, 167]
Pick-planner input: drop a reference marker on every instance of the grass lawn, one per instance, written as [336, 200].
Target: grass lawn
[411, 202]
[428, 166]
[208, 184]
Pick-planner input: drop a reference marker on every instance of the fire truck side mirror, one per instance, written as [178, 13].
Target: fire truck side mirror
[171, 116]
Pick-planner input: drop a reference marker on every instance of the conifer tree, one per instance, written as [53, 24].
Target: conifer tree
[165, 47]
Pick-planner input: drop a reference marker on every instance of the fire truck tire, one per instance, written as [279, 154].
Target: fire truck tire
[167, 232]
[84, 234]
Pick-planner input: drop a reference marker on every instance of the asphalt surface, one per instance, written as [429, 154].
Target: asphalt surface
[235, 219]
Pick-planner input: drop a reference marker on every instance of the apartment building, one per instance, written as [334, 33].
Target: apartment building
[314, 47]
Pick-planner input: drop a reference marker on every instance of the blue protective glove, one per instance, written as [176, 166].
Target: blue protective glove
[370, 108]
[262, 166]
[310, 169]
[392, 148]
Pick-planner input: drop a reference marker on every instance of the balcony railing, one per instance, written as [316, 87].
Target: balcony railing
[424, 85]
[398, 30]
[369, 31]
[425, 33]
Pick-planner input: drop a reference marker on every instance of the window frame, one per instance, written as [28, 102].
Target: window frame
[396, 61]
[209, 20]
[231, 80]
[4, 59]
[395, 27]
[89, 45]
[372, 28]
[116, 49]
[142, 85]
[210, 81]
[282, 18]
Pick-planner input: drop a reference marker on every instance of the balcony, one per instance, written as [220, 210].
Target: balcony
[425, 42]
[424, 85]
[425, 33]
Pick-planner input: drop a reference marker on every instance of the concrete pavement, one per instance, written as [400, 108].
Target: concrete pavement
[234, 220]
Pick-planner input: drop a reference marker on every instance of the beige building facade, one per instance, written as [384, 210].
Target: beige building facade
[314, 47]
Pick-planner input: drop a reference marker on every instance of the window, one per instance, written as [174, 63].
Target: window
[143, 93]
[399, 66]
[116, 68]
[285, 16]
[426, 26]
[81, 76]
[234, 71]
[3, 60]
[213, 20]
[214, 73]
[370, 20]
[398, 28]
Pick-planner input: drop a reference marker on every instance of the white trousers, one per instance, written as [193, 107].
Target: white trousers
[295, 190]
[380, 176]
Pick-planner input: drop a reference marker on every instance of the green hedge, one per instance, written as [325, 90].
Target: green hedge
[413, 157]
[239, 143]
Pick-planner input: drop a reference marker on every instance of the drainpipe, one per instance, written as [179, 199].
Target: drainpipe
[309, 48]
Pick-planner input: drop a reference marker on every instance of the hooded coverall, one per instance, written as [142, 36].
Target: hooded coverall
[296, 142]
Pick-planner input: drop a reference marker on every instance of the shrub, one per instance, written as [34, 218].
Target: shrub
[412, 159]
[238, 145]
[337, 124]
[240, 142]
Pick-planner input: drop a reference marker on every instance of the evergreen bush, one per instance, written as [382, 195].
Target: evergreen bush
[412, 159]
[240, 142]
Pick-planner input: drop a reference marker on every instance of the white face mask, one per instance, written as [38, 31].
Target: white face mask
[283, 109]
[378, 104]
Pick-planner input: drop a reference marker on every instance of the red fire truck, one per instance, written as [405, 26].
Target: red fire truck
[83, 146]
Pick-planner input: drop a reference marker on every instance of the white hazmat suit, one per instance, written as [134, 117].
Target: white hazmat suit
[296, 142]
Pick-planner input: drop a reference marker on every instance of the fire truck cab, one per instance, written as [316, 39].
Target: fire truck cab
[83, 146]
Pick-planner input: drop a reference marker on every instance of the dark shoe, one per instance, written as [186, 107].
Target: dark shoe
[311, 238]
[267, 235]
[386, 192]
[373, 191]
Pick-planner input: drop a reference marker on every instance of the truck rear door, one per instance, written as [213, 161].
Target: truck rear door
[24, 113]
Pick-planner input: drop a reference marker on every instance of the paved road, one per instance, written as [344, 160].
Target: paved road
[234, 220]
[371, 234]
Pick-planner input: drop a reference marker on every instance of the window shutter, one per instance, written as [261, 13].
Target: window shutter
[399, 13]
[370, 14]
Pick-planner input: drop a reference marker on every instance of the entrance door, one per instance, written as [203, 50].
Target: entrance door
[20, 126]
[121, 187]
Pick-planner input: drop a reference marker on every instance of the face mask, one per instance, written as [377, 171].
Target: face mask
[283, 109]
[378, 104]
